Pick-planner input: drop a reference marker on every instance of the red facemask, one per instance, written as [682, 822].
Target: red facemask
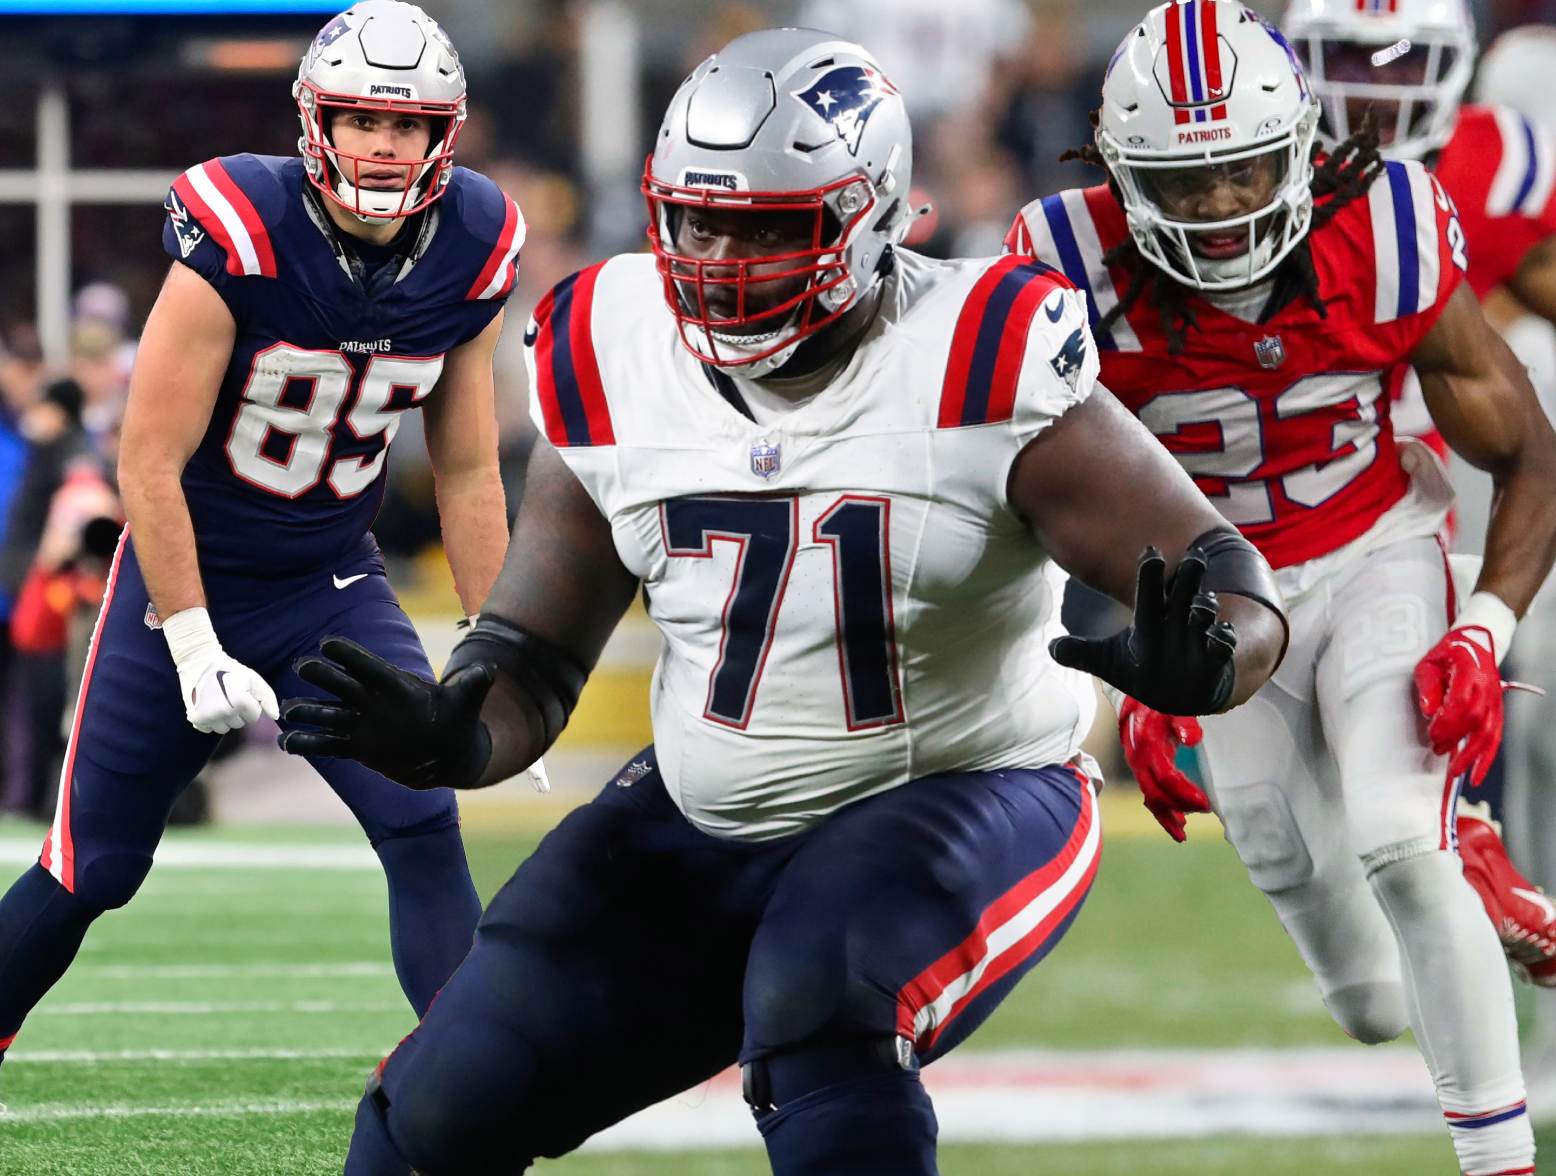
[425, 179]
[698, 291]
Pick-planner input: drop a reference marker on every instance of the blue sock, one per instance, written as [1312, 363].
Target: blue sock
[41, 928]
[881, 1125]
[433, 909]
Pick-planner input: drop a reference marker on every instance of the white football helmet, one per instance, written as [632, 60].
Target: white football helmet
[1519, 70]
[1409, 60]
[386, 57]
[1201, 95]
[779, 121]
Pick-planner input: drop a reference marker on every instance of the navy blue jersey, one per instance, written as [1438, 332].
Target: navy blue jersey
[290, 473]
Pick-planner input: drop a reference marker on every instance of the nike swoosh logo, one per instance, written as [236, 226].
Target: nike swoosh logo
[222, 686]
[1056, 312]
[348, 581]
[1535, 898]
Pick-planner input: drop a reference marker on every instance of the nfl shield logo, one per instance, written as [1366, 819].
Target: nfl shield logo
[1270, 351]
[153, 621]
[764, 459]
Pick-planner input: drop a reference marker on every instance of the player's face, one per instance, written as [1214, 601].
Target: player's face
[724, 235]
[381, 137]
[1400, 64]
[1215, 192]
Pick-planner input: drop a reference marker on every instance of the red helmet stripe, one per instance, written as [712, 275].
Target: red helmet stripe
[1210, 49]
[1175, 72]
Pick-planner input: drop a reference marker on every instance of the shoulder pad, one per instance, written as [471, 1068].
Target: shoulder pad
[237, 200]
[493, 222]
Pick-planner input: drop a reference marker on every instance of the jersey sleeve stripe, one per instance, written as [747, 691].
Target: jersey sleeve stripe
[1011, 345]
[1079, 250]
[1405, 242]
[964, 341]
[572, 397]
[1515, 166]
[986, 350]
[501, 269]
[244, 230]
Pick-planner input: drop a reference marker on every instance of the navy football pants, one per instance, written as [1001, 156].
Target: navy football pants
[632, 957]
[132, 752]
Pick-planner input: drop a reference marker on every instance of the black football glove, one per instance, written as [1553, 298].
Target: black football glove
[1176, 657]
[422, 734]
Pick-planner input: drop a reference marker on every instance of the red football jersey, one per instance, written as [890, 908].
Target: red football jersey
[1500, 170]
[1283, 424]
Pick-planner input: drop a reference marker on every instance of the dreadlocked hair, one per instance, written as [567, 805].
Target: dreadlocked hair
[1338, 178]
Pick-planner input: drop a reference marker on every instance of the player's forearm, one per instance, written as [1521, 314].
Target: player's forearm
[1261, 641]
[474, 516]
[158, 516]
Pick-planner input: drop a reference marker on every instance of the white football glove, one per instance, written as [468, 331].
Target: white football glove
[220, 693]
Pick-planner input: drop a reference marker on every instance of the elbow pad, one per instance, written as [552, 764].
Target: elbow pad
[1232, 564]
[548, 676]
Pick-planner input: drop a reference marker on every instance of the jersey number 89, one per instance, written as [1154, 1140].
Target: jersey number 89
[282, 443]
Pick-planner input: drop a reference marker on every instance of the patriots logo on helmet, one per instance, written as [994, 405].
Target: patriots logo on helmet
[1071, 357]
[332, 32]
[846, 97]
[185, 227]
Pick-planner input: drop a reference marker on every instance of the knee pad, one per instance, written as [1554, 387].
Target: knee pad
[110, 880]
[1369, 1013]
[770, 1081]
[1261, 827]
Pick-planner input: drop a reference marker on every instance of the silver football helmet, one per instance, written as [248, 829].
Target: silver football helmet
[387, 57]
[779, 121]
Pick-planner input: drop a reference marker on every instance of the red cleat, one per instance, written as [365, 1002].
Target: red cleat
[1524, 917]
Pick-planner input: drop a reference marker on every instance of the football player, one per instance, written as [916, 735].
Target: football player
[312, 300]
[1409, 61]
[842, 476]
[1250, 304]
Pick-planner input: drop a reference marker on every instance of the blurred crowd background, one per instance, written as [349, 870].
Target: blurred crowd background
[99, 113]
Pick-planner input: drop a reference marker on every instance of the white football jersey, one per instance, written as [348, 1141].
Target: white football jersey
[847, 598]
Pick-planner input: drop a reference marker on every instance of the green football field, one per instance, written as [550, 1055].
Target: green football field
[224, 1022]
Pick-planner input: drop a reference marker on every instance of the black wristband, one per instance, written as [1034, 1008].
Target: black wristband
[1233, 564]
[543, 672]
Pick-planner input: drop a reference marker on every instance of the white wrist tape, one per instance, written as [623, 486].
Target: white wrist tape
[189, 635]
[1491, 613]
[1114, 695]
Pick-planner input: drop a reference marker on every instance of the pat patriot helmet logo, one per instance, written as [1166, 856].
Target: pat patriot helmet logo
[846, 96]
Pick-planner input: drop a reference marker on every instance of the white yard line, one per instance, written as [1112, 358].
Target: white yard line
[263, 969]
[92, 1057]
[53, 1114]
[996, 1097]
[203, 1008]
[227, 855]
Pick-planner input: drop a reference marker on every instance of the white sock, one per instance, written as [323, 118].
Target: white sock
[1461, 1008]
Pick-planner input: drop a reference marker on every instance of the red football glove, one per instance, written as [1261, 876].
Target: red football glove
[1151, 741]
[1459, 691]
